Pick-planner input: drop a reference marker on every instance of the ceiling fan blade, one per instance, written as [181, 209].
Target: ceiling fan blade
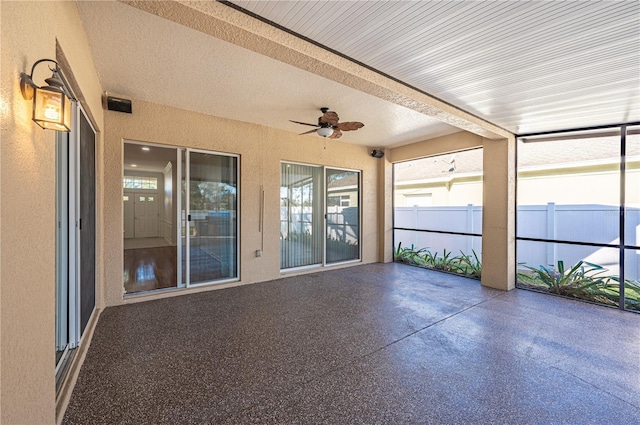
[336, 134]
[330, 117]
[307, 132]
[305, 123]
[350, 126]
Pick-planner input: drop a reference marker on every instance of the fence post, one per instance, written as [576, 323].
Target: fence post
[551, 233]
[415, 226]
[469, 228]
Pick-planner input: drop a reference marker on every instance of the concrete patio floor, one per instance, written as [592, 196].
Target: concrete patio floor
[371, 344]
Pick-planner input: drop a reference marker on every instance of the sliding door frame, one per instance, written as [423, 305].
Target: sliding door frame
[68, 263]
[79, 225]
[187, 210]
[326, 214]
[323, 210]
[183, 175]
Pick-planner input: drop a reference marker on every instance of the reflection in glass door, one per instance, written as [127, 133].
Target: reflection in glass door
[343, 215]
[300, 215]
[210, 209]
[311, 207]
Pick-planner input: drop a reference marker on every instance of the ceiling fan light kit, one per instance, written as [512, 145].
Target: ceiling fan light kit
[325, 131]
[329, 125]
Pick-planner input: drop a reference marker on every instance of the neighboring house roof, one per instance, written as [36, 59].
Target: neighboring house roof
[350, 180]
[439, 166]
[530, 154]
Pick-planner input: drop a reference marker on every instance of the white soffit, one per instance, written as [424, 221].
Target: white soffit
[141, 55]
[524, 66]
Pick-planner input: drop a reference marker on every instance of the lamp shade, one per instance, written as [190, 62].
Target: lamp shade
[325, 131]
[52, 109]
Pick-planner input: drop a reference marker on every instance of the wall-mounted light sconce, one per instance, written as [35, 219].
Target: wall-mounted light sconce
[51, 103]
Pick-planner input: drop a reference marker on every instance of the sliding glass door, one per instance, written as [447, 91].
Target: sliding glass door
[63, 304]
[150, 211]
[75, 237]
[300, 215]
[210, 212]
[343, 215]
[319, 215]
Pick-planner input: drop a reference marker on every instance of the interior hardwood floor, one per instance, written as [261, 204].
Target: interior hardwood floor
[147, 269]
[137, 243]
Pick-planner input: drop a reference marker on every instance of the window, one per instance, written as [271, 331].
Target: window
[138, 182]
[341, 201]
[572, 187]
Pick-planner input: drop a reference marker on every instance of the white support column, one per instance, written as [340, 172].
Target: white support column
[498, 217]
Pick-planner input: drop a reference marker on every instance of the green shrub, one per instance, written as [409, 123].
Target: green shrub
[584, 281]
[445, 263]
[631, 293]
[422, 257]
[470, 266]
[409, 255]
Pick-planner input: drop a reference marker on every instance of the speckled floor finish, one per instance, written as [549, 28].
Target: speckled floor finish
[371, 344]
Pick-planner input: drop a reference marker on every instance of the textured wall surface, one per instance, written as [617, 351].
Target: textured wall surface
[261, 150]
[27, 204]
[499, 217]
[450, 143]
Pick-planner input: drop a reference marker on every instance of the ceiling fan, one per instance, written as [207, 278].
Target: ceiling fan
[328, 125]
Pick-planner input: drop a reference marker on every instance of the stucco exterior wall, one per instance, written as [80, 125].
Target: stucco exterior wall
[27, 204]
[563, 186]
[450, 143]
[455, 192]
[498, 216]
[261, 150]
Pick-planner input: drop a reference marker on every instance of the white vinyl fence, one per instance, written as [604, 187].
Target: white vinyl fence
[581, 223]
[449, 219]
[342, 222]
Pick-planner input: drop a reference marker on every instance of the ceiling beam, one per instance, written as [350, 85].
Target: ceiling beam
[444, 144]
[228, 24]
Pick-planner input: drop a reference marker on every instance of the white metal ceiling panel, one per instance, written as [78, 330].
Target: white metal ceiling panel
[525, 66]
